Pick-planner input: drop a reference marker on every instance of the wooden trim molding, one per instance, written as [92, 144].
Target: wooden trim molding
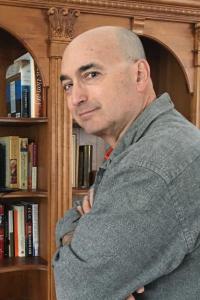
[195, 105]
[137, 25]
[156, 9]
[197, 45]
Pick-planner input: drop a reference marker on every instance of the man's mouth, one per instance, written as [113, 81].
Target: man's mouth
[86, 113]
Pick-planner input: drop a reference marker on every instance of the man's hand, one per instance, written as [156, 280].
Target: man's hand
[87, 203]
[139, 291]
[84, 209]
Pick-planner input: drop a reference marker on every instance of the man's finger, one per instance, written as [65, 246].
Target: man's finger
[140, 290]
[80, 210]
[130, 297]
[91, 196]
[86, 205]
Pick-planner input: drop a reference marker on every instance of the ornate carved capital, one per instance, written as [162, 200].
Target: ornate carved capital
[61, 21]
[137, 25]
[197, 45]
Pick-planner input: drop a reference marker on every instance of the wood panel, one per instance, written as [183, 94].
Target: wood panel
[178, 39]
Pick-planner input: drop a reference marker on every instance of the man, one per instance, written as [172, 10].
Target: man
[142, 228]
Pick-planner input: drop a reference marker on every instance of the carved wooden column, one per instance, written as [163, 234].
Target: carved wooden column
[61, 22]
[196, 98]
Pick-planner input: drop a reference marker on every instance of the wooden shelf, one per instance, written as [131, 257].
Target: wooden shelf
[79, 192]
[23, 194]
[22, 264]
[5, 121]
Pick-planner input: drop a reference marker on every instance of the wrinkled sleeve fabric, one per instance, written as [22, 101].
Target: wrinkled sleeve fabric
[131, 237]
[67, 224]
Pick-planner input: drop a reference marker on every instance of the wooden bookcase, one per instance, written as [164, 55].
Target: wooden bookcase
[170, 30]
[21, 277]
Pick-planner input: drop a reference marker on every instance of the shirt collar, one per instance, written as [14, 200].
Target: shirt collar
[159, 106]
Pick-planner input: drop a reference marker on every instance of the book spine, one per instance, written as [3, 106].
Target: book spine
[88, 149]
[74, 160]
[14, 162]
[28, 230]
[38, 94]
[16, 251]
[30, 164]
[2, 165]
[18, 98]
[6, 232]
[34, 166]
[12, 99]
[5, 142]
[8, 98]
[1, 231]
[25, 101]
[11, 232]
[21, 231]
[23, 164]
[81, 166]
[35, 216]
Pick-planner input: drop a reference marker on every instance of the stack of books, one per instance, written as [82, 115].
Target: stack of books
[19, 230]
[24, 88]
[18, 163]
[81, 164]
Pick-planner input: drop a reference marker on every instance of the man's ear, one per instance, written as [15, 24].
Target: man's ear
[143, 74]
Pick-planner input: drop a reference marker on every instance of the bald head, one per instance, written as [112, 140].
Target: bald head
[122, 39]
[107, 80]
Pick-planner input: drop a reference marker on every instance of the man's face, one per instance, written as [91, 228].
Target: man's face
[100, 86]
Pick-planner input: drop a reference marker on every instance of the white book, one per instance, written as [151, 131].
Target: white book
[35, 220]
[34, 177]
[10, 233]
[31, 70]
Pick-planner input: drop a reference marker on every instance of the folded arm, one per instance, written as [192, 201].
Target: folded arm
[129, 238]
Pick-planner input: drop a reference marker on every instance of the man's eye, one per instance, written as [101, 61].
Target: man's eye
[90, 75]
[67, 87]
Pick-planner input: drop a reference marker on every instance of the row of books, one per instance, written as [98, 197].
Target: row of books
[24, 88]
[19, 230]
[82, 172]
[18, 163]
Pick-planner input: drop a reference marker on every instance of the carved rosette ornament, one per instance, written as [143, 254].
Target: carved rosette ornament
[61, 21]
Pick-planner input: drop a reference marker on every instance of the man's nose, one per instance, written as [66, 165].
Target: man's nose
[79, 94]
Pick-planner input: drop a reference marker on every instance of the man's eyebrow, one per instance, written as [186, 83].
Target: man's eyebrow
[80, 70]
[87, 67]
[64, 77]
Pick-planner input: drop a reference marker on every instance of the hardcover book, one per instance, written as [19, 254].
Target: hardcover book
[2, 166]
[11, 144]
[1, 231]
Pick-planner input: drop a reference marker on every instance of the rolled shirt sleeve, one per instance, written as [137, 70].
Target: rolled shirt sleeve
[131, 237]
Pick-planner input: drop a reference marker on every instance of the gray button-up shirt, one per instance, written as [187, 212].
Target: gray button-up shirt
[144, 226]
